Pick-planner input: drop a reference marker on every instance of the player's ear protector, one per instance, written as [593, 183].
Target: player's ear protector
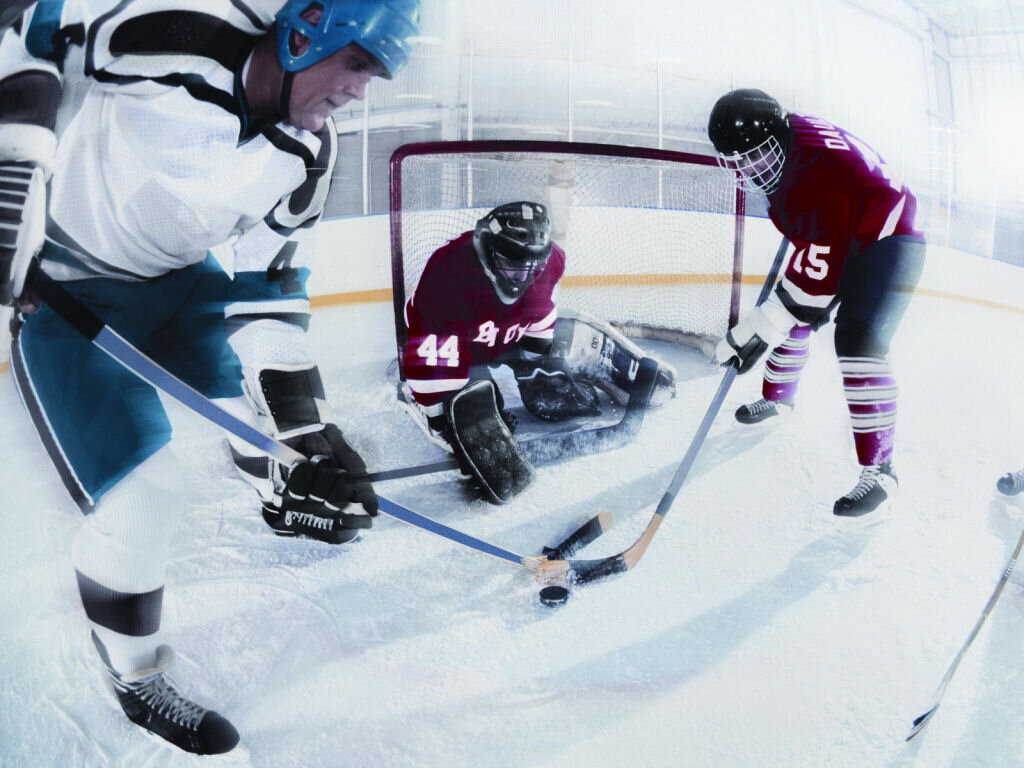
[386, 29]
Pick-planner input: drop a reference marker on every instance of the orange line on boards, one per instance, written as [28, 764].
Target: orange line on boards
[931, 292]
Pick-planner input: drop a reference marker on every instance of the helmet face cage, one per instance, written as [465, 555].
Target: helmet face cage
[758, 169]
[384, 29]
[513, 243]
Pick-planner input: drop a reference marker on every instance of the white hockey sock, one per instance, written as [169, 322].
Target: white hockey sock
[120, 556]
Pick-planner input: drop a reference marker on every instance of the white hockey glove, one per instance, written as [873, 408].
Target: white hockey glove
[763, 328]
[22, 226]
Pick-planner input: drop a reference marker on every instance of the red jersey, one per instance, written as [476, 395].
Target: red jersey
[835, 198]
[456, 320]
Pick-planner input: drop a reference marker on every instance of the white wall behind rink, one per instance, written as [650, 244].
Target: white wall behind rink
[354, 254]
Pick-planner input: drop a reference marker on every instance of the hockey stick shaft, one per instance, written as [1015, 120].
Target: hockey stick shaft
[83, 320]
[583, 571]
[922, 720]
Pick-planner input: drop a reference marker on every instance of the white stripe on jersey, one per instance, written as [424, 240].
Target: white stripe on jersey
[432, 386]
[272, 307]
[806, 299]
[894, 218]
[545, 324]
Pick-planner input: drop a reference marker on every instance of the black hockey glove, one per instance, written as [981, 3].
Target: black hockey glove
[332, 479]
[551, 393]
[22, 228]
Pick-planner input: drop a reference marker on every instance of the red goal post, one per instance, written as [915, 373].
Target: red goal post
[653, 238]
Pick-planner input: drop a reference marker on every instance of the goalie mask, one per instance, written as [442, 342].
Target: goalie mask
[750, 133]
[513, 243]
[384, 28]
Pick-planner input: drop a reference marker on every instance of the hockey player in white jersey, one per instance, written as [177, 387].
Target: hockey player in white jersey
[165, 128]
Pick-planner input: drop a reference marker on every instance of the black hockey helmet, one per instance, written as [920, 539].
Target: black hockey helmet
[513, 243]
[750, 133]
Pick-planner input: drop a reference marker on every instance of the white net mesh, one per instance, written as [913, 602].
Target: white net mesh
[650, 243]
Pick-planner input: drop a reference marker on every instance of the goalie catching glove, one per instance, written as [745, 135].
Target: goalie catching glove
[551, 393]
[763, 328]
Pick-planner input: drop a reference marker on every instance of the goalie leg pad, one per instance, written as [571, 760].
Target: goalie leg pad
[483, 443]
[593, 349]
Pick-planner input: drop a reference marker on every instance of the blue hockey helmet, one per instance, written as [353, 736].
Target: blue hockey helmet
[384, 28]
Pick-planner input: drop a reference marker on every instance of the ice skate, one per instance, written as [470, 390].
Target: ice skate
[874, 491]
[151, 701]
[1011, 483]
[758, 411]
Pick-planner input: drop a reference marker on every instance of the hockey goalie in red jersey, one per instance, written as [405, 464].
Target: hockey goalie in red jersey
[487, 298]
[856, 250]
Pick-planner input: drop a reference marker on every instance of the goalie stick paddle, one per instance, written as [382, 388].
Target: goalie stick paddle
[583, 571]
[581, 537]
[82, 319]
[922, 720]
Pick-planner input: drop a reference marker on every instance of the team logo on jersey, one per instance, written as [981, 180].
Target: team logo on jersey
[488, 332]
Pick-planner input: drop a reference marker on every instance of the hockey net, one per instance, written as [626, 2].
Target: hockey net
[653, 239]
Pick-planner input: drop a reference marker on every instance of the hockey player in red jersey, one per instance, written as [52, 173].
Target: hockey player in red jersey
[856, 250]
[486, 298]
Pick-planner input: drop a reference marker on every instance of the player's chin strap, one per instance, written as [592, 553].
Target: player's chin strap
[85, 322]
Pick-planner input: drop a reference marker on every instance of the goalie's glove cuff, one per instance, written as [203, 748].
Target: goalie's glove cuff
[764, 327]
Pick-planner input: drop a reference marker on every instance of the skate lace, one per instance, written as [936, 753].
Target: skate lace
[309, 520]
[161, 696]
[761, 405]
[868, 480]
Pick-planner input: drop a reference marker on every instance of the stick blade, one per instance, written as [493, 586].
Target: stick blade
[920, 722]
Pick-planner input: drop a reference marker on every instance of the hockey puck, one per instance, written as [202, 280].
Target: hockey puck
[554, 595]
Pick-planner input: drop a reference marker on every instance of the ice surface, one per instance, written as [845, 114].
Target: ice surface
[756, 631]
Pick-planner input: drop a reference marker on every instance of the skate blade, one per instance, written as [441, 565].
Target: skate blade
[882, 514]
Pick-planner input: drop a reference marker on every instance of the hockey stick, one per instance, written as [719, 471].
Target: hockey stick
[581, 537]
[550, 448]
[82, 319]
[582, 571]
[922, 720]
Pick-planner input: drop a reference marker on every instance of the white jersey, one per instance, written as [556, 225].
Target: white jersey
[156, 160]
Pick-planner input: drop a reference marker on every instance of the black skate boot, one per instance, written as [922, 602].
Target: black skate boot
[150, 701]
[304, 524]
[1011, 483]
[877, 486]
[758, 411]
